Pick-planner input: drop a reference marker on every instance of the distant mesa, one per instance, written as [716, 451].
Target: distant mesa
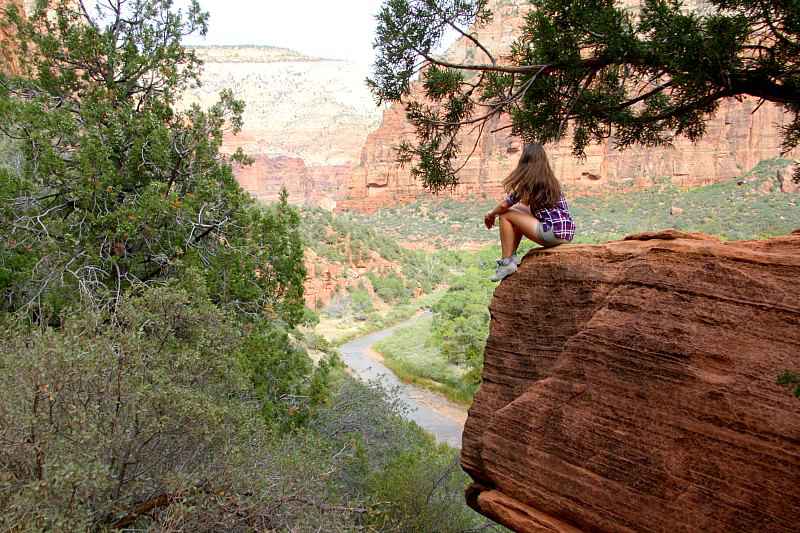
[305, 122]
[251, 54]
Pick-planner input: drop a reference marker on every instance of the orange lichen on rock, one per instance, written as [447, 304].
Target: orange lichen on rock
[632, 386]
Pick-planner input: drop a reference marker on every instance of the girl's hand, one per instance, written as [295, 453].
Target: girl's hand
[489, 219]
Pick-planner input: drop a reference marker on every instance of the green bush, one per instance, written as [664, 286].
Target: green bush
[791, 381]
[404, 480]
[420, 490]
[361, 302]
[390, 288]
[461, 318]
[99, 417]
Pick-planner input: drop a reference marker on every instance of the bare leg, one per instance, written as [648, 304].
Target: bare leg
[517, 239]
[509, 236]
[512, 222]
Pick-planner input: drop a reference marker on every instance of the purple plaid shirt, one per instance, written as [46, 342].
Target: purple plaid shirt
[556, 218]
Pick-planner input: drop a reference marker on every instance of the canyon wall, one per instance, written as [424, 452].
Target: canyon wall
[9, 61]
[305, 120]
[737, 138]
[632, 386]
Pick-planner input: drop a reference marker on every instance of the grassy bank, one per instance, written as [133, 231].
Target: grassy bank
[412, 354]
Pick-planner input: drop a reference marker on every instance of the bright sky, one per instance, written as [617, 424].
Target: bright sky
[336, 29]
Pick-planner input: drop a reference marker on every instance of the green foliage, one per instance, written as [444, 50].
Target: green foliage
[391, 288]
[97, 415]
[461, 316]
[361, 302]
[643, 77]
[420, 490]
[791, 381]
[282, 376]
[461, 323]
[416, 356]
[405, 481]
[117, 186]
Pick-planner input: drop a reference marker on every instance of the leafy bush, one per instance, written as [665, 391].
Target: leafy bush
[406, 481]
[361, 302]
[391, 288]
[98, 419]
[461, 317]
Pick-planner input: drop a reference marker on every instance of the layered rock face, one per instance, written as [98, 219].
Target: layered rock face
[737, 139]
[326, 278]
[632, 386]
[306, 185]
[305, 122]
[9, 62]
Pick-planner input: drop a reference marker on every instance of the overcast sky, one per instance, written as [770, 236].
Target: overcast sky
[337, 29]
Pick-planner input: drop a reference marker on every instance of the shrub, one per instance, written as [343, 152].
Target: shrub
[361, 302]
[390, 288]
[791, 381]
[99, 418]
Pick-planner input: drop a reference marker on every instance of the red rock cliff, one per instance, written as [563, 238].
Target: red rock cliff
[631, 386]
[9, 62]
[737, 139]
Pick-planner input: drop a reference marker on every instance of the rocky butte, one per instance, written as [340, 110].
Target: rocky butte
[741, 134]
[632, 386]
[305, 122]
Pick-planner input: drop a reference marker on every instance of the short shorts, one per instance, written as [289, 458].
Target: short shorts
[548, 238]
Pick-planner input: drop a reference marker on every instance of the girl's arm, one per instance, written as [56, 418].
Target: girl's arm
[499, 209]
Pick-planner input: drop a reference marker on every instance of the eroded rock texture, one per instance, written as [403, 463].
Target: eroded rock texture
[632, 386]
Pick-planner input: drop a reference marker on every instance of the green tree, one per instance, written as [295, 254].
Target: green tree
[606, 71]
[461, 321]
[119, 185]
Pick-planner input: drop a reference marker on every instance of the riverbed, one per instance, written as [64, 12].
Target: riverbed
[432, 412]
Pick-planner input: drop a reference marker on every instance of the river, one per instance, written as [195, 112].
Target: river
[434, 413]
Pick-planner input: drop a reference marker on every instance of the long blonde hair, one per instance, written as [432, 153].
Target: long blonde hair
[533, 181]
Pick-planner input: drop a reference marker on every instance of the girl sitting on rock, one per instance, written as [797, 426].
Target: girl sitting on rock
[535, 207]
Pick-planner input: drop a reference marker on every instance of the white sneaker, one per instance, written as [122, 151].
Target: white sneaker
[503, 271]
[517, 260]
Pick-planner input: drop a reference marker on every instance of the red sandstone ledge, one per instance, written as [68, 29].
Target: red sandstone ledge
[632, 386]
